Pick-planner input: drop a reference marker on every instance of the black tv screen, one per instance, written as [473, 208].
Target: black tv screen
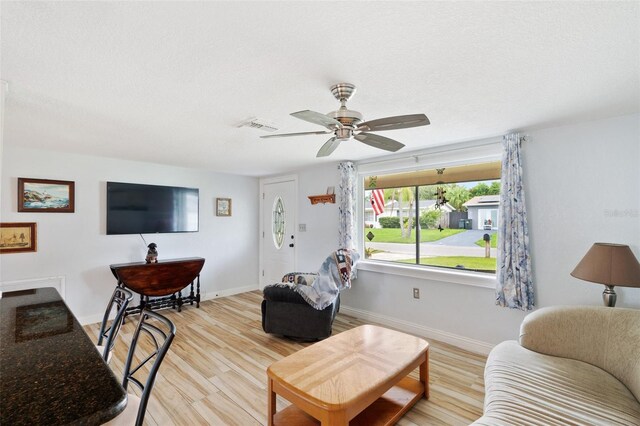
[146, 209]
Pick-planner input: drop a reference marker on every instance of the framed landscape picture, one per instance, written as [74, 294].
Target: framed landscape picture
[223, 206]
[46, 196]
[18, 237]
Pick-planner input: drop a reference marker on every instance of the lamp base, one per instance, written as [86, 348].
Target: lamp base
[609, 296]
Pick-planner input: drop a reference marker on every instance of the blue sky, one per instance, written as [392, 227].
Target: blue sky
[60, 191]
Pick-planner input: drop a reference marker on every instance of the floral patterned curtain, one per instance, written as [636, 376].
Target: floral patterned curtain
[515, 285]
[347, 208]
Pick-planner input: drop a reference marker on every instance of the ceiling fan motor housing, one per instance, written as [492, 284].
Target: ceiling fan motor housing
[349, 120]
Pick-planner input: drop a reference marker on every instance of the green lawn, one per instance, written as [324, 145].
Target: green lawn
[393, 235]
[494, 241]
[474, 263]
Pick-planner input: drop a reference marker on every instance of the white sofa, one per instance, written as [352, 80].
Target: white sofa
[576, 365]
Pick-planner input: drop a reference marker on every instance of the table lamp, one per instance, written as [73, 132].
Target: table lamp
[611, 265]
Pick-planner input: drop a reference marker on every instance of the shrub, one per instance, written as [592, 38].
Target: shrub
[389, 222]
[430, 218]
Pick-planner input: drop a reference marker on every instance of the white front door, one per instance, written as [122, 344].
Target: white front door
[279, 208]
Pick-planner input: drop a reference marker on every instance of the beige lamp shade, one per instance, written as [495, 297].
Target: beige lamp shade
[609, 264]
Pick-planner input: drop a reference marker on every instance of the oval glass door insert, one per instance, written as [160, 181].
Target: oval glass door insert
[277, 227]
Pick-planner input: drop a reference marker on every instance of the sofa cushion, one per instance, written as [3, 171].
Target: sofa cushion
[528, 388]
[599, 335]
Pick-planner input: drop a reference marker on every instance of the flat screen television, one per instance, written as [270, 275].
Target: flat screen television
[147, 209]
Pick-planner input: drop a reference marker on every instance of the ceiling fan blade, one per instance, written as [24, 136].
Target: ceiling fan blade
[284, 135]
[328, 147]
[379, 142]
[392, 123]
[318, 118]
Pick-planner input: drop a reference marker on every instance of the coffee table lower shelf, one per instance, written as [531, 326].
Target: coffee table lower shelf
[386, 410]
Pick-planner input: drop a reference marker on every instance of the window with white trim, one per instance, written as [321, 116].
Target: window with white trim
[443, 217]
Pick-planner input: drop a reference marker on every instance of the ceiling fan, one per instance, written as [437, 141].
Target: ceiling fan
[346, 124]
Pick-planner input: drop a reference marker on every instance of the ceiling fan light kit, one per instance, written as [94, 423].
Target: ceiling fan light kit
[344, 123]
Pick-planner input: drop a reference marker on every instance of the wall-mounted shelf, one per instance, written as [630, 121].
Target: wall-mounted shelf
[324, 198]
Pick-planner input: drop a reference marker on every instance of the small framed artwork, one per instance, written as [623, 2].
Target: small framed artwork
[18, 237]
[223, 206]
[46, 196]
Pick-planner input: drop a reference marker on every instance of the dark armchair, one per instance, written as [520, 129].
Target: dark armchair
[304, 306]
[286, 313]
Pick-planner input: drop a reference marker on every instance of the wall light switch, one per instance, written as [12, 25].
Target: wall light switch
[302, 227]
[416, 293]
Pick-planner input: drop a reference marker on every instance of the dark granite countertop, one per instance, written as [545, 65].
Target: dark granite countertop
[50, 371]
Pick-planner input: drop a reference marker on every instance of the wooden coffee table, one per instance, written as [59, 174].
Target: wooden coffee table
[356, 377]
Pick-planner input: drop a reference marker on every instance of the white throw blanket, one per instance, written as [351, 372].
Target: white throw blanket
[334, 275]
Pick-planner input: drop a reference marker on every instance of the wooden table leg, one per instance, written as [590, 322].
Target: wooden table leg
[424, 374]
[335, 418]
[271, 402]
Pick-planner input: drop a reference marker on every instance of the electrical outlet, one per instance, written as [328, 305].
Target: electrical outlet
[416, 293]
[302, 227]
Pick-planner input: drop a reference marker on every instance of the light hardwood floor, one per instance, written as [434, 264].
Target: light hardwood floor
[215, 372]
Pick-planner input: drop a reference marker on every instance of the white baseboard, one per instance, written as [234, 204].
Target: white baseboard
[91, 319]
[420, 330]
[227, 292]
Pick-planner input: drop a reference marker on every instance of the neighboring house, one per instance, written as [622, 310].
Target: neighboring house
[370, 217]
[483, 211]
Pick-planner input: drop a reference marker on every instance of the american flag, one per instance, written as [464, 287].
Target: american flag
[377, 201]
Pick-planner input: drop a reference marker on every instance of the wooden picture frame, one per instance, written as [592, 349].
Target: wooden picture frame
[46, 196]
[223, 206]
[18, 237]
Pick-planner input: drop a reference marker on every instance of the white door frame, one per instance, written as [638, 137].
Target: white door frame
[263, 182]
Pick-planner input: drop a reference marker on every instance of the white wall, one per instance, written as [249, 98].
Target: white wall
[75, 245]
[582, 186]
[321, 237]
[3, 91]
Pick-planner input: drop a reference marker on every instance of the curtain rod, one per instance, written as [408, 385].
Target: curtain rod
[443, 148]
[435, 150]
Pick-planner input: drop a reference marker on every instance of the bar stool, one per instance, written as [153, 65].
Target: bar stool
[161, 332]
[108, 333]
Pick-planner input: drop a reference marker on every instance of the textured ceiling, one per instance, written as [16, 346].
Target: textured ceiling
[169, 82]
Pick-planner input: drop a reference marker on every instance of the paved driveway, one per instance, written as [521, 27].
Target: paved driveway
[462, 244]
[463, 239]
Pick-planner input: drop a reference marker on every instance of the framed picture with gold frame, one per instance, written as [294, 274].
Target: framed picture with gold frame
[223, 206]
[16, 237]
